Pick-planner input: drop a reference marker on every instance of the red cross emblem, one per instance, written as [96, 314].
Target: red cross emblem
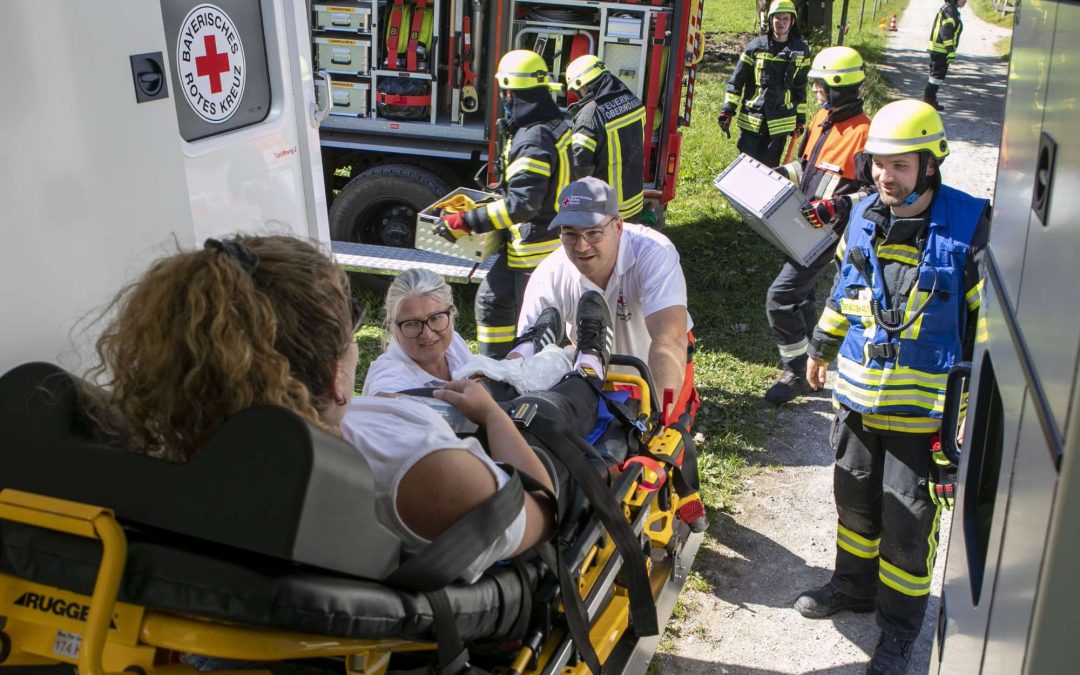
[566, 201]
[212, 64]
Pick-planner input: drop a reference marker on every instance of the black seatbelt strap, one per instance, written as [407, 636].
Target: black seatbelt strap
[453, 658]
[446, 558]
[571, 451]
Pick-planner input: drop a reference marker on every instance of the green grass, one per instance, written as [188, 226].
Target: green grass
[984, 9]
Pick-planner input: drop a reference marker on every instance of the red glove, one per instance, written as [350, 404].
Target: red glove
[820, 212]
[453, 227]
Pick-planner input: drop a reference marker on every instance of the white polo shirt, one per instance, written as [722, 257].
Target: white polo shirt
[395, 371]
[647, 278]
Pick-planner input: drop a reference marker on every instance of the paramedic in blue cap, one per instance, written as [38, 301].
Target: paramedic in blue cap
[637, 271]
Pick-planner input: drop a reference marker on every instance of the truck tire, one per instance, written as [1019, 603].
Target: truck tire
[379, 206]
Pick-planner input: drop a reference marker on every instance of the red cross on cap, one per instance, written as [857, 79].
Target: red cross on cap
[566, 201]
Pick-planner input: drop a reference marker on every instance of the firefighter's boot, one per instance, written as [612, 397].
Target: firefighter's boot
[789, 385]
[891, 656]
[826, 601]
[930, 96]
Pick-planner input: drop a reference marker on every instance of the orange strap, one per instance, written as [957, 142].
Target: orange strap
[652, 465]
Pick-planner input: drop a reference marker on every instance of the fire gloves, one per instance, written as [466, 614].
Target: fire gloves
[727, 113]
[453, 227]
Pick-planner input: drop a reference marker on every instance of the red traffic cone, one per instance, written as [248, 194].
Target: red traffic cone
[892, 22]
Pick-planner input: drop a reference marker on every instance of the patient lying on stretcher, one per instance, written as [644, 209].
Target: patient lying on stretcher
[203, 335]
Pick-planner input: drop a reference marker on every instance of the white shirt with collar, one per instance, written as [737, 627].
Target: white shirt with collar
[647, 278]
[395, 371]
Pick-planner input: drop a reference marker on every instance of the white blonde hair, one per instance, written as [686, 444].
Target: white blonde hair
[410, 284]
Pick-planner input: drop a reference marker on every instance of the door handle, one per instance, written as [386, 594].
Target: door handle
[950, 413]
[320, 114]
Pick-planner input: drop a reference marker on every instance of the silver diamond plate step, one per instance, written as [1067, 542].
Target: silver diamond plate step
[394, 260]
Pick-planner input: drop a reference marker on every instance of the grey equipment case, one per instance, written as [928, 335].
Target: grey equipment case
[770, 204]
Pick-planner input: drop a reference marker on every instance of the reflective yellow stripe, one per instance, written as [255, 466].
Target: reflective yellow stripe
[932, 542]
[982, 335]
[856, 544]
[915, 301]
[909, 255]
[974, 296]
[492, 334]
[562, 148]
[793, 350]
[880, 398]
[833, 322]
[901, 423]
[498, 214]
[745, 58]
[841, 249]
[899, 580]
[631, 207]
[532, 248]
[879, 377]
[536, 166]
[585, 141]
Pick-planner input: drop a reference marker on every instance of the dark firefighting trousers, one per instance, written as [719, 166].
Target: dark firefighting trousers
[887, 531]
[791, 308]
[939, 68]
[766, 149]
[498, 301]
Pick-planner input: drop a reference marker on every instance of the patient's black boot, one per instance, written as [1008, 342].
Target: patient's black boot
[549, 329]
[594, 332]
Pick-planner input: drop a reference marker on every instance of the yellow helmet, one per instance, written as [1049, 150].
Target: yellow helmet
[523, 69]
[583, 70]
[782, 7]
[907, 126]
[838, 67]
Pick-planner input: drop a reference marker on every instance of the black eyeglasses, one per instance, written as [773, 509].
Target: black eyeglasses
[357, 312]
[593, 236]
[437, 322]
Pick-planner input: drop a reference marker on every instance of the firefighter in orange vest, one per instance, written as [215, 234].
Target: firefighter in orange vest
[826, 173]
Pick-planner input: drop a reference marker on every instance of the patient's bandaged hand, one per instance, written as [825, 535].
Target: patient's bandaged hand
[536, 373]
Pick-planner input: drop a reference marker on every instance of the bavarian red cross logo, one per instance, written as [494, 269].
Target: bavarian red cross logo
[210, 63]
[566, 201]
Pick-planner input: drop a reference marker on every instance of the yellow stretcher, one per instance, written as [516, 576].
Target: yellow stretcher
[264, 552]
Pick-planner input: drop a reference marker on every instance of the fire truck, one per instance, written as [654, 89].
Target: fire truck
[1010, 591]
[131, 125]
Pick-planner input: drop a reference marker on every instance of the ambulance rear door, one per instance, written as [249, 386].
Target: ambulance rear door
[245, 109]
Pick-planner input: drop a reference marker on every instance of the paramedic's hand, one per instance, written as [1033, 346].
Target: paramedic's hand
[820, 212]
[725, 117]
[816, 370]
[471, 398]
[800, 125]
[452, 227]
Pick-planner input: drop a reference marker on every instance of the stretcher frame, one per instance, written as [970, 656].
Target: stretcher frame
[98, 634]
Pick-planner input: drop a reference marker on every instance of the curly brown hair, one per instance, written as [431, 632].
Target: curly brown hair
[205, 334]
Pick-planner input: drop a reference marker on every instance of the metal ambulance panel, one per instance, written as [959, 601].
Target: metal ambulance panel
[1049, 306]
[1031, 498]
[1024, 104]
[93, 181]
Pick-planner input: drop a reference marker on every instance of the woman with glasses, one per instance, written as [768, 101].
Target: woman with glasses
[423, 349]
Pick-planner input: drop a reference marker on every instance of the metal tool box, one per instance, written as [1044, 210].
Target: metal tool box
[342, 18]
[346, 56]
[474, 247]
[350, 98]
[771, 205]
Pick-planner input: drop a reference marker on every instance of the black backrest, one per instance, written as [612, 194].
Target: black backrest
[267, 482]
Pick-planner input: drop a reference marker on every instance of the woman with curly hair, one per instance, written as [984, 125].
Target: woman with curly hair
[252, 320]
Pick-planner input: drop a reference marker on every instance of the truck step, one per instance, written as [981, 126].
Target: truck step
[392, 260]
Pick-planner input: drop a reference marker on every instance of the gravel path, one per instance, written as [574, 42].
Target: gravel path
[779, 540]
